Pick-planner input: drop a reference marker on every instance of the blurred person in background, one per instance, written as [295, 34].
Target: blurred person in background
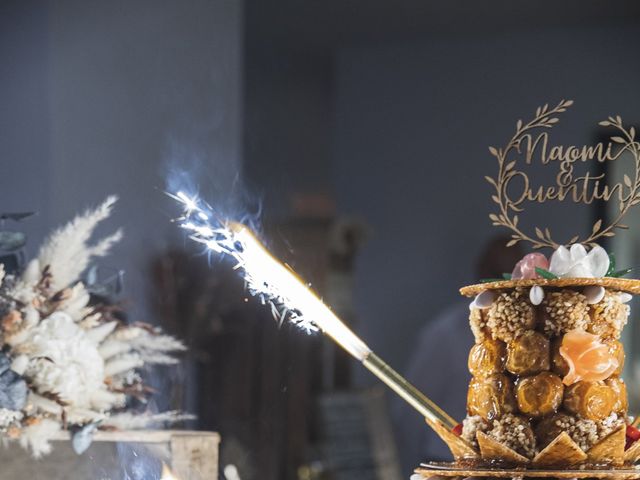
[438, 366]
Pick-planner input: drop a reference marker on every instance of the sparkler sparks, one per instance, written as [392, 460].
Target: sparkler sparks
[289, 297]
[266, 277]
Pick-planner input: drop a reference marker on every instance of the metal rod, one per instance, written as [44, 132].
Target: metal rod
[407, 391]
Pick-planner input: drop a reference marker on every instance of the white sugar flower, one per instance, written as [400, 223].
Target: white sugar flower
[576, 262]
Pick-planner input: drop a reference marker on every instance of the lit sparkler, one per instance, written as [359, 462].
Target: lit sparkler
[289, 297]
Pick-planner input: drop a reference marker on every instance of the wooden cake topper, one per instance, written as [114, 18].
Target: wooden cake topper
[513, 189]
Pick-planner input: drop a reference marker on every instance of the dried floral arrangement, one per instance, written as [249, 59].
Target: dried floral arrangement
[68, 363]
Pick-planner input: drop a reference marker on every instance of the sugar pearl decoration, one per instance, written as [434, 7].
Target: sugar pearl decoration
[594, 294]
[625, 297]
[483, 300]
[536, 295]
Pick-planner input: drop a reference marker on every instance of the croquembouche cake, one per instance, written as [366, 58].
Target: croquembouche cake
[546, 396]
[546, 386]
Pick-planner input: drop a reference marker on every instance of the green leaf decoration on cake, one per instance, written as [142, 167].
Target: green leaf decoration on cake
[505, 277]
[612, 264]
[545, 273]
[620, 273]
[612, 272]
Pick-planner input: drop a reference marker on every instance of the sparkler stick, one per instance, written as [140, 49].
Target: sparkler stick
[279, 286]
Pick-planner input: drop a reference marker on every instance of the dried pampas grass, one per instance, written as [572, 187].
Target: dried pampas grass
[66, 252]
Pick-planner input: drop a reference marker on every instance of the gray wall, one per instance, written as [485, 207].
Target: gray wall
[412, 126]
[24, 124]
[287, 124]
[116, 94]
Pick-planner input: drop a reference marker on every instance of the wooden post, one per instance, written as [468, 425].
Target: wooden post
[194, 455]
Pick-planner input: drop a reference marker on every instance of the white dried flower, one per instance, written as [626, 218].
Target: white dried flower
[123, 364]
[24, 288]
[146, 346]
[81, 416]
[154, 348]
[38, 404]
[76, 304]
[98, 334]
[111, 348]
[63, 361]
[37, 437]
[92, 320]
[30, 318]
[9, 417]
[20, 364]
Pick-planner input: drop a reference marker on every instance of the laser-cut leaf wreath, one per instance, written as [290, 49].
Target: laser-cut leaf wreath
[507, 213]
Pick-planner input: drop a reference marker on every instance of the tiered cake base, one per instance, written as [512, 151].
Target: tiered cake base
[452, 469]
